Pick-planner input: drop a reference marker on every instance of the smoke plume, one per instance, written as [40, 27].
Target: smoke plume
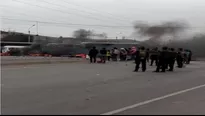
[156, 32]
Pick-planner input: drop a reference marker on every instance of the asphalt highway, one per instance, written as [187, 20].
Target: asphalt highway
[108, 89]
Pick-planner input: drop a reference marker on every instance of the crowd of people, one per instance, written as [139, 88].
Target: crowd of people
[163, 59]
[114, 54]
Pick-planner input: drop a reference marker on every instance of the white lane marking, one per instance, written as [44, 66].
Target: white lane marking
[152, 100]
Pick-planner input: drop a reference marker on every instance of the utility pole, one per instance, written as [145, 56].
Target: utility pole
[29, 32]
[37, 27]
[29, 36]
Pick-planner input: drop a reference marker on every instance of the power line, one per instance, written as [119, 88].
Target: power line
[91, 14]
[66, 24]
[55, 10]
[74, 24]
[95, 10]
[24, 14]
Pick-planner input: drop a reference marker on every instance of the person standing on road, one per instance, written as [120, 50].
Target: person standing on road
[162, 60]
[148, 55]
[123, 54]
[180, 58]
[154, 55]
[172, 59]
[185, 56]
[108, 55]
[168, 58]
[141, 58]
[115, 54]
[103, 53]
[189, 56]
[133, 52]
[93, 54]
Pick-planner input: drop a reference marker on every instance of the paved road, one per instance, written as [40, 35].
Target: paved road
[102, 89]
[20, 60]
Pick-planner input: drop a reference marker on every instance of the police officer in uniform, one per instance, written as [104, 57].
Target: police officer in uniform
[172, 59]
[148, 54]
[163, 59]
[189, 56]
[168, 59]
[141, 58]
[154, 55]
[180, 58]
[93, 54]
[103, 53]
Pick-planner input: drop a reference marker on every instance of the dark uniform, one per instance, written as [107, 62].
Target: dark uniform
[103, 53]
[185, 57]
[172, 59]
[141, 58]
[163, 60]
[180, 58]
[93, 54]
[154, 55]
[168, 59]
[189, 57]
[148, 54]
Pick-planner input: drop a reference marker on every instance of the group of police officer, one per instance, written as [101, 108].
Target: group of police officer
[164, 59]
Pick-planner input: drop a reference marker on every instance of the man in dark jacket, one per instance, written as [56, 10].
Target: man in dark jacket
[93, 54]
[154, 55]
[141, 58]
[148, 55]
[172, 59]
[189, 56]
[103, 53]
[180, 58]
[163, 58]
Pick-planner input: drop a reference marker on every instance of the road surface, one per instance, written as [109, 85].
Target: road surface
[111, 88]
[21, 60]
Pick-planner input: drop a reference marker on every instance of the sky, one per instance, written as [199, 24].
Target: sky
[114, 17]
